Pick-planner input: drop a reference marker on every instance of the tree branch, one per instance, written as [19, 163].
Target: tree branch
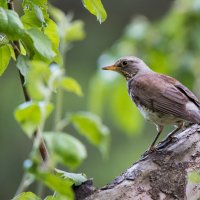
[10, 5]
[16, 46]
[161, 175]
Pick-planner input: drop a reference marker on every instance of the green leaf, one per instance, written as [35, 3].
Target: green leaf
[38, 80]
[70, 30]
[37, 10]
[30, 114]
[96, 8]
[10, 24]
[41, 3]
[30, 20]
[57, 184]
[90, 126]
[39, 14]
[74, 31]
[51, 31]
[34, 15]
[46, 109]
[71, 85]
[22, 65]
[12, 52]
[56, 13]
[41, 43]
[194, 177]
[5, 56]
[77, 179]
[3, 39]
[26, 196]
[43, 80]
[22, 49]
[54, 182]
[55, 77]
[27, 43]
[3, 3]
[65, 149]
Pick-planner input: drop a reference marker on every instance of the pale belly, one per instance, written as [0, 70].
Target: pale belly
[158, 118]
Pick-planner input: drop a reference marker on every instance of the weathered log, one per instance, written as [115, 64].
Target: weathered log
[160, 175]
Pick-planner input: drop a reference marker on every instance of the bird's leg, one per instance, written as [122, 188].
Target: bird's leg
[152, 148]
[159, 129]
[180, 126]
[170, 137]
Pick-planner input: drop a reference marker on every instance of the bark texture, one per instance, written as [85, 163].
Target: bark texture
[161, 175]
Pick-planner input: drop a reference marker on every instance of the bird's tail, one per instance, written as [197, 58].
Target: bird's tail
[196, 117]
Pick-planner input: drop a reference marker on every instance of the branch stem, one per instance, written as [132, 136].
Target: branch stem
[25, 183]
[16, 45]
[42, 146]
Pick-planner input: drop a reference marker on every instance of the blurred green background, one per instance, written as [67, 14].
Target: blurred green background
[165, 34]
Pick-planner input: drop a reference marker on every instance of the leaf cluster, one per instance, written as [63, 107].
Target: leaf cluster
[37, 42]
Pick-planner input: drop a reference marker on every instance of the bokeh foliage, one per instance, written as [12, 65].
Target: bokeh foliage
[170, 45]
[37, 44]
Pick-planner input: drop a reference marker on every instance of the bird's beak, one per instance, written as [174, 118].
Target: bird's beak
[111, 67]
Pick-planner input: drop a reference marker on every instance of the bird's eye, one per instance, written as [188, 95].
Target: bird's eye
[124, 63]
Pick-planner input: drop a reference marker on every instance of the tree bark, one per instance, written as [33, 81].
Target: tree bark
[160, 175]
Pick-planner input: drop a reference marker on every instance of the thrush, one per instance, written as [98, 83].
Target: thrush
[160, 98]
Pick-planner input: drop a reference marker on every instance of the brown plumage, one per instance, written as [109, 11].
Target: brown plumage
[161, 99]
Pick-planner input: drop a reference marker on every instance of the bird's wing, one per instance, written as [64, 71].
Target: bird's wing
[162, 94]
[188, 93]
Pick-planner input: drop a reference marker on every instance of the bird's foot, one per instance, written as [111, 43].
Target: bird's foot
[161, 145]
[149, 151]
[166, 142]
[172, 138]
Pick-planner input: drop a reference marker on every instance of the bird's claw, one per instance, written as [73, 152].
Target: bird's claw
[149, 151]
[166, 142]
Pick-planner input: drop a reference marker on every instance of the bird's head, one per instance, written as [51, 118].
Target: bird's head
[128, 66]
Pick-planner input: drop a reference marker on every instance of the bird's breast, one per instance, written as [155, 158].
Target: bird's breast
[149, 112]
[158, 118]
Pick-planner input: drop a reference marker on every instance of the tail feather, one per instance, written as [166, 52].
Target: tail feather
[195, 116]
[193, 112]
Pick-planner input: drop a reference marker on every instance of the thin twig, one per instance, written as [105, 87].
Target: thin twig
[42, 146]
[24, 184]
[16, 45]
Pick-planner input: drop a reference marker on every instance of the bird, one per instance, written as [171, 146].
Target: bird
[161, 99]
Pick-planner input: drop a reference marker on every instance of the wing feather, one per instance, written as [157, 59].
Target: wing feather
[188, 93]
[162, 94]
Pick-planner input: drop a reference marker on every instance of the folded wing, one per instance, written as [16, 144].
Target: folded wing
[166, 95]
